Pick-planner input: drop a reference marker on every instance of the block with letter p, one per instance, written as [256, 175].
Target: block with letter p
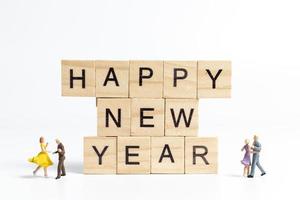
[146, 79]
[180, 79]
[78, 78]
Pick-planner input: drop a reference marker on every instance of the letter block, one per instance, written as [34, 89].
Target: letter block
[134, 155]
[180, 79]
[181, 117]
[78, 78]
[100, 155]
[201, 155]
[146, 79]
[147, 117]
[167, 155]
[113, 117]
[214, 79]
[112, 78]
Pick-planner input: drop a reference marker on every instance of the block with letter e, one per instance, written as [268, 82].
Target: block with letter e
[147, 117]
[134, 155]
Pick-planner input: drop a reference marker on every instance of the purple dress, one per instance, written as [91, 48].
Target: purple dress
[246, 160]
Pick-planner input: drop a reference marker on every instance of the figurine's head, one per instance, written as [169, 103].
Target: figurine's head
[255, 137]
[42, 140]
[246, 141]
[57, 141]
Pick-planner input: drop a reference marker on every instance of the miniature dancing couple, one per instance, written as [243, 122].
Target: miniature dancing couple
[43, 160]
[255, 150]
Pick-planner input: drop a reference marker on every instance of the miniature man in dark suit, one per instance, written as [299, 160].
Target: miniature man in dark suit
[61, 158]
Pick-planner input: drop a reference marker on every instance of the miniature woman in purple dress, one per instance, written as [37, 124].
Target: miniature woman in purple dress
[246, 160]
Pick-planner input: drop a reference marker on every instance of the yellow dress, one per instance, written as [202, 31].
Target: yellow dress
[42, 159]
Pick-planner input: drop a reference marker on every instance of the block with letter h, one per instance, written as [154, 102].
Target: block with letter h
[147, 113]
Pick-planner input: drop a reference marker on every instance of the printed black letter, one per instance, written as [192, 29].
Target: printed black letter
[141, 76]
[169, 155]
[100, 155]
[127, 154]
[214, 78]
[176, 77]
[113, 78]
[182, 113]
[200, 155]
[142, 117]
[82, 78]
[109, 113]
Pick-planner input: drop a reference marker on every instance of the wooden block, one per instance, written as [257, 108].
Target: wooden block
[147, 117]
[78, 78]
[133, 155]
[214, 79]
[167, 155]
[181, 117]
[100, 155]
[112, 78]
[146, 79]
[113, 116]
[201, 155]
[180, 79]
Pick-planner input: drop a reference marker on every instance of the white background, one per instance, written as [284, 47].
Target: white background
[261, 38]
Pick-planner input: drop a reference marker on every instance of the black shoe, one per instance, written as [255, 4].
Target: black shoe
[263, 174]
[250, 176]
[57, 177]
[63, 175]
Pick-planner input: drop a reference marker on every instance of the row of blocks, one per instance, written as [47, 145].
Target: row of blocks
[147, 117]
[145, 155]
[146, 79]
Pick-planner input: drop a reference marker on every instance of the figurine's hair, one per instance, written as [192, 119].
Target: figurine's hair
[246, 141]
[41, 139]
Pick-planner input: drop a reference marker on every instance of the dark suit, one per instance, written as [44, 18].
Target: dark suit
[61, 158]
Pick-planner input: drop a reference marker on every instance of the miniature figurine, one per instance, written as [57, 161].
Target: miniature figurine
[256, 148]
[42, 159]
[61, 158]
[246, 160]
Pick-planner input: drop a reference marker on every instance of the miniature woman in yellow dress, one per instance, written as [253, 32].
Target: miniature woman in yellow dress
[42, 159]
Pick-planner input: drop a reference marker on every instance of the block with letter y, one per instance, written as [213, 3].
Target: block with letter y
[100, 155]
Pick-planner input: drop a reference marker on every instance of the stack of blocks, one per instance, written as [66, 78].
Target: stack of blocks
[148, 113]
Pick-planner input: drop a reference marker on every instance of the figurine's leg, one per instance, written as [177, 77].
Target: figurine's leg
[260, 167]
[254, 160]
[63, 168]
[37, 169]
[245, 170]
[45, 172]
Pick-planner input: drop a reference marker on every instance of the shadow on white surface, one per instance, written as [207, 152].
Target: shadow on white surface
[74, 167]
[233, 175]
